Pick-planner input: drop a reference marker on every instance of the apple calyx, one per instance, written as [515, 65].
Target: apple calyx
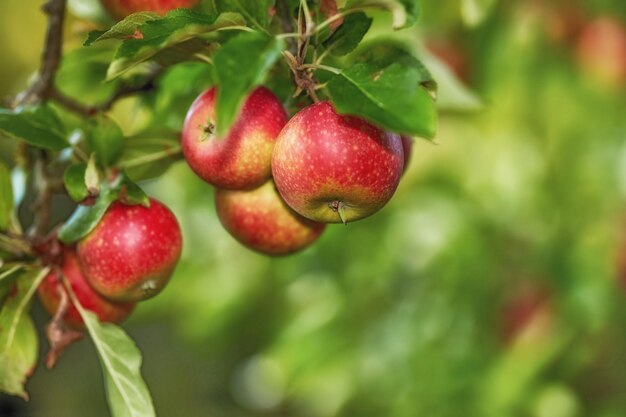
[340, 208]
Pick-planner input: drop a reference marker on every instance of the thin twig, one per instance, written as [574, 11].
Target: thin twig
[51, 57]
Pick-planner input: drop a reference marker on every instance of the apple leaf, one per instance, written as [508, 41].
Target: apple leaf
[86, 218]
[349, 34]
[8, 273]
[133, 194]
[38, 126]
[256, 12]
[392, 97]
[6, 197]
[241, 64]
[149, 154]
[18, 337]
[124, 29]
[74, 180]
[120, 359]
[106, 140]
[404, 12]
[177, 30]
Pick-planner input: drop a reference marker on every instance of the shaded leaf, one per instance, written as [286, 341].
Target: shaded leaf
[106, 140]
[6, 197]
[149, 154]
[132, 194]
[349, 34]
[179, 26]
[18, 338]
[391, 97]
[120, 359]
[86, 218]
[74, 180]
[256, 12]
[241, 65]
[38, 126]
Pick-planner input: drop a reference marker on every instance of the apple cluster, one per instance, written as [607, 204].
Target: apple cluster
[279, 181]
[128, 257]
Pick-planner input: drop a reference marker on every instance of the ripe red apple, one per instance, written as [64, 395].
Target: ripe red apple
[601, 51]
[407, 148]
[261, 220]
[131, 254]
[332, 168]
[241, 160]
[119, 9]
[107, 311]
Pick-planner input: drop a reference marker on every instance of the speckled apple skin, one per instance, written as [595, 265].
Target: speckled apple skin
[260, 220]
[131, 254]
[322, 157]
[119, 9]
[241, 160]
[106, 310]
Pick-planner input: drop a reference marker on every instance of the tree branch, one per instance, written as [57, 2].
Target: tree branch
[90, 111]
[51, 57]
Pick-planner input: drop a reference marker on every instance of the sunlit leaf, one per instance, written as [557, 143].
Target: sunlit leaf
[18, 338]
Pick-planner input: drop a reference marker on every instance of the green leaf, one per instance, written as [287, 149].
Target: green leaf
[6, 197]
[92, 176]
[86, 218]
[349, 34]
[175, 31]
[392, 97]
[149, 154]
[8, 273]
[38, 126]
[474, 12]
[74, 179]
[18, 338]
[106, 140]
[241, 65]
[123, 29]
[256, 12]
[404, 12]
[120, 359]
[132, 194]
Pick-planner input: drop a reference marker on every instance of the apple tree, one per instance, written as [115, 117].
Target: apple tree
[303, 115]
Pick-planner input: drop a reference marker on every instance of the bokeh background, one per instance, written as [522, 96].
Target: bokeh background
[489, 286]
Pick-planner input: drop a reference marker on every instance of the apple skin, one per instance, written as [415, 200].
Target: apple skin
[241, 160]
[262, 221]
[601, 51]
[107, 311]
[131, 254]
[119, 9]
[332, 168]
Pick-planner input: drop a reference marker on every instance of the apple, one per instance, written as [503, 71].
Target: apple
[107, 311]
[261, 220]
[407, 149]
[241, 160]
[119, 9]
[601, 51]
[132, 252]
[334, 168]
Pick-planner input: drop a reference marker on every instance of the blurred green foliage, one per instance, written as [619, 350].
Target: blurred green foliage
[423, 309]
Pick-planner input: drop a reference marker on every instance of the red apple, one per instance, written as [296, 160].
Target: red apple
[131, 254]
[241, 160]
[261, 220]
[119, 9]
[332, 168]
[106, 310]
[601, 51]
[407, 148]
